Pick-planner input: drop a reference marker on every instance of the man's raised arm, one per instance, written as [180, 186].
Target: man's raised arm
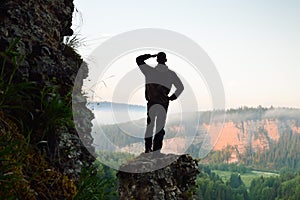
[140, 60]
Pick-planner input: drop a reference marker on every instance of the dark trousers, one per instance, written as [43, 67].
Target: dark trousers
[156, 116]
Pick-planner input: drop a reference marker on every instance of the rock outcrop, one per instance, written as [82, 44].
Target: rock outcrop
[39, 26]
[177, 180]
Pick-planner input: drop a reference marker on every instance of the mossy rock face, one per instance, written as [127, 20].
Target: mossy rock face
[24, 173]
[51, 66]
[12, 144]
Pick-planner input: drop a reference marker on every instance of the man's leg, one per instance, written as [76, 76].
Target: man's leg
[149, 129]
[158, 140]
[160, 124]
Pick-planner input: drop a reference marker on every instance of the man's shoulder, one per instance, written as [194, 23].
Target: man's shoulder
[167, 68]
[173, 73]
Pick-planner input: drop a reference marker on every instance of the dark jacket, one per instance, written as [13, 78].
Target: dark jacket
[159, 81]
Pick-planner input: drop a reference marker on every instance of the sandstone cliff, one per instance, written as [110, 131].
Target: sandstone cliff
[251, 135]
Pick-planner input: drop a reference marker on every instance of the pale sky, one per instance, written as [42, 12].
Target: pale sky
[255, 45]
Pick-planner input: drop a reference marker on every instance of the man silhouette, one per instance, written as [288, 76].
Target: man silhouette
[159, 80]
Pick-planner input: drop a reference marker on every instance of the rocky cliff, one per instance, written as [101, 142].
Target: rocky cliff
[173, 181]
[32, 31]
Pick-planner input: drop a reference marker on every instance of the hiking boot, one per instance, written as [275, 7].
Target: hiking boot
[148, 150]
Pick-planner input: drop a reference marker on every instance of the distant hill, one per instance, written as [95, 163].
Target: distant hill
[260, 137]
[113, 113]
[105, 105]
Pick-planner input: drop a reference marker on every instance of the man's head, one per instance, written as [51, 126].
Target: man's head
[161, 58]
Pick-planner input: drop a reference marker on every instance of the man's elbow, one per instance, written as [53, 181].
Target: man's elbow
[139, 61]
[181, 88]
[179, 91]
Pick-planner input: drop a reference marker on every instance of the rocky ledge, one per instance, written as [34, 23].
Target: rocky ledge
[176, 180]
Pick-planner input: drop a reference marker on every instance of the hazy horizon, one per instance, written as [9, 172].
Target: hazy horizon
[228, 108]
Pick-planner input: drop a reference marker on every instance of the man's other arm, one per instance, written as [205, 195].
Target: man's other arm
[179, 87]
